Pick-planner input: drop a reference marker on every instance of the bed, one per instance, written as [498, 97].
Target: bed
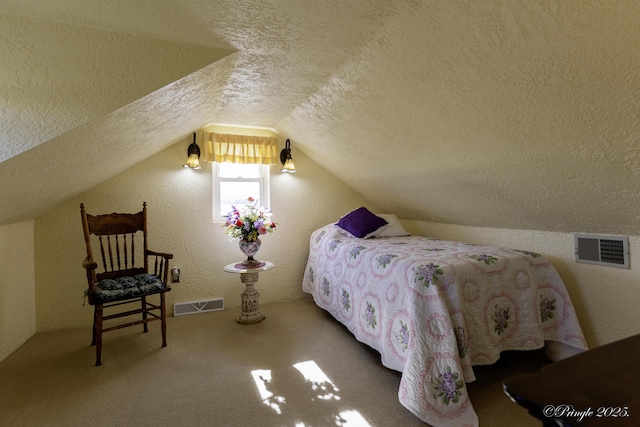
[434, 309]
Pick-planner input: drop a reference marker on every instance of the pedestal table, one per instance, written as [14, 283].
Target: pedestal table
[249, 276]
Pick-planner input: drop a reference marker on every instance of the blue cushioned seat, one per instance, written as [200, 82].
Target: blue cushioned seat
[109, 290]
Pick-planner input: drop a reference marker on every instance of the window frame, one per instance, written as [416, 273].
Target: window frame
[263, 180]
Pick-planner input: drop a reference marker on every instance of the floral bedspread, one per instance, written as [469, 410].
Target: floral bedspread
[433, 309]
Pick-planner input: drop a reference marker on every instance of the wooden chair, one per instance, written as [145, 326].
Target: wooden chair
[129, 272]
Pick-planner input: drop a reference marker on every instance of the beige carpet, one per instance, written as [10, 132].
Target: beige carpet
[216, 372]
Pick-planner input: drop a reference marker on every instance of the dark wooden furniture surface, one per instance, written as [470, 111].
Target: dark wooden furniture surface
[600, 387]
[120, 241]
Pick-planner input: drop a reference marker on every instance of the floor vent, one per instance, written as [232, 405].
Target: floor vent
[183, 308]
[612, 251]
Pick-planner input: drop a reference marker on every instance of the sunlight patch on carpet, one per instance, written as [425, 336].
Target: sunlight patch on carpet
[322, 389]
[262, 378]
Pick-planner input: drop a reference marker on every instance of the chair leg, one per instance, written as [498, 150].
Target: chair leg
[144, 314]
[98, 333]
[163, 316]
[93, 333]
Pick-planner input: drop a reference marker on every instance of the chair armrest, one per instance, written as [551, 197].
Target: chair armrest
[89, 264]
[161, 265]
[160, 254]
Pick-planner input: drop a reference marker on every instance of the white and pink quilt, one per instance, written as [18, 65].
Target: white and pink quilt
[434, 308]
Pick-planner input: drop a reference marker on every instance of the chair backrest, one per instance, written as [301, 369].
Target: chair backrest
[121, 239]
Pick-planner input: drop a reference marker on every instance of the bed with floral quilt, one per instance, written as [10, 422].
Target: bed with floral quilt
[434, 309]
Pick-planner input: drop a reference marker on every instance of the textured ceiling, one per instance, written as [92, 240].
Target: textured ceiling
[494, 113]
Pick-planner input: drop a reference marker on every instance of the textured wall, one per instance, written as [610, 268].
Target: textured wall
[504, 114]
[54, 77]
[605, 298]
[180, 221]
[17, 286]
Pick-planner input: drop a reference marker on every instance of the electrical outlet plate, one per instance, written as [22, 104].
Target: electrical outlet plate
[175, 274]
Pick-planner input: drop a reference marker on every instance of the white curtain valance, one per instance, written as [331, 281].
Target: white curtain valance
[240, 148]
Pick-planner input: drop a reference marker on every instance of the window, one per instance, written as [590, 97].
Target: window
[240, 169]
[233, 183]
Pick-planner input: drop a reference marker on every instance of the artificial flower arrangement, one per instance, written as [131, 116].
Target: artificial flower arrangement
[248, 222]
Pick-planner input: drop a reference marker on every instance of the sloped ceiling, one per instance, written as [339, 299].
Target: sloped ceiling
[482, 113]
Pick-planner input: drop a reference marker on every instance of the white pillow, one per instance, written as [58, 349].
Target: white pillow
[344, 232]
[394, 227]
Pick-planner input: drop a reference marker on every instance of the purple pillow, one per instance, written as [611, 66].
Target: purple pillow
[361, 222]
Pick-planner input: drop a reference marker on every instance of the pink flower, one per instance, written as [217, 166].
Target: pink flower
[262, 230]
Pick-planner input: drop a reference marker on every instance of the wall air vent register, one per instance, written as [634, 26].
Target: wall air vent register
[182, 308]
[612, 251]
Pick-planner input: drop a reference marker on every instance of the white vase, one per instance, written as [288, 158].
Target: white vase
[250, 248]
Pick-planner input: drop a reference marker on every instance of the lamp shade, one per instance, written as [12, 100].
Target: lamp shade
[193, 161]
[286, 160]
[288, 166]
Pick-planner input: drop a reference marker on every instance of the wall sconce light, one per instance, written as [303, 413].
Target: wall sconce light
[193, 152]
[286, 160]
